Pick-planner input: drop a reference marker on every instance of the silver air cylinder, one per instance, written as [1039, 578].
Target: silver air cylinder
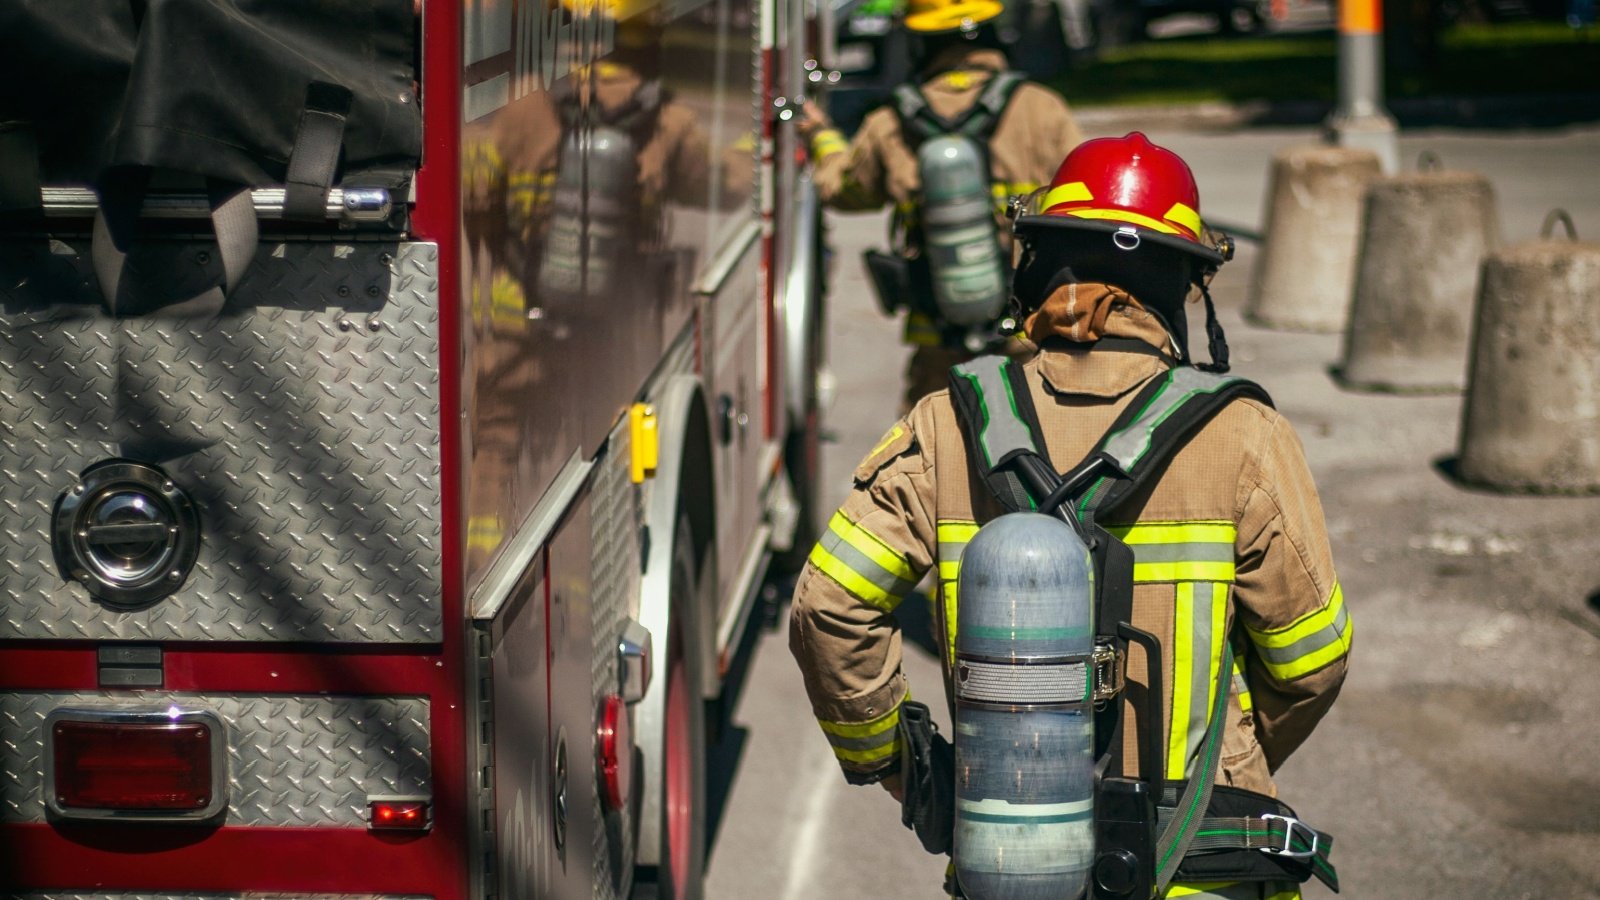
[969, 279]
[1024, 728]
[588, 247]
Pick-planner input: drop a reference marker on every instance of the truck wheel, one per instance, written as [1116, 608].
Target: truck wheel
[681, 873]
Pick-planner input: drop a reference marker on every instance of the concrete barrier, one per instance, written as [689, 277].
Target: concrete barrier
[1306, 269]
[1532, 420]
[1423, 240]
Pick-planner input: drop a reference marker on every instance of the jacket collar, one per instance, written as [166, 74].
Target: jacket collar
[1092, 370]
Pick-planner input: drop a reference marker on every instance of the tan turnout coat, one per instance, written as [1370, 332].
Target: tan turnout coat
[1237, 498]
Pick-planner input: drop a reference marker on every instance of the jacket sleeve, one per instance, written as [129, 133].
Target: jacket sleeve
[1288, 598]
[849, 175]
[843, 631]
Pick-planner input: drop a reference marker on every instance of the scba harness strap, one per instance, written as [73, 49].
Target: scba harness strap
[1242, 835]
[977, 122]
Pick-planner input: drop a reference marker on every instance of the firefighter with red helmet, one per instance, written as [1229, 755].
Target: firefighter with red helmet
[1191, 470]
[965, 105]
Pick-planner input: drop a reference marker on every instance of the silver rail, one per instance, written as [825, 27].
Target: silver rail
[344, 204]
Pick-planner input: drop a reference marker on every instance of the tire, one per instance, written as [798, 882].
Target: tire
[681, 872]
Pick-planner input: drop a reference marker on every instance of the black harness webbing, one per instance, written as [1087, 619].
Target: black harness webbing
[977, 122]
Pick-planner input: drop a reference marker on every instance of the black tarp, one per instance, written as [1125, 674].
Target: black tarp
[208, 87]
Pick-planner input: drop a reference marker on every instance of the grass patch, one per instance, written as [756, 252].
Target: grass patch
[1473, 60]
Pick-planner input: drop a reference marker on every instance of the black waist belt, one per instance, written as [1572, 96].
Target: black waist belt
[1246, 836]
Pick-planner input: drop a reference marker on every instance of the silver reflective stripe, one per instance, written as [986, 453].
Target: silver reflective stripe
[1175, 553]
[951, 552]
[1132, 442]
[1197, 648]
[865, 566]
[1309, 644]
[1002, 430]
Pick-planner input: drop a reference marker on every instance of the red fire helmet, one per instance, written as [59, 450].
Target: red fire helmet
[1122, 186]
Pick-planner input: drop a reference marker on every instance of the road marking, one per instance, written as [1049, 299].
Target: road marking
[821, 780]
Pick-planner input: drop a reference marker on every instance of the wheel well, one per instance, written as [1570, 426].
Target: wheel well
[696, 482]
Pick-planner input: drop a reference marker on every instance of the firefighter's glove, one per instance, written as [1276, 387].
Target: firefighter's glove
[928, 774]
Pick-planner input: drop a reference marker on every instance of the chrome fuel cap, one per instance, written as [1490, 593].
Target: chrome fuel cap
[126, 532]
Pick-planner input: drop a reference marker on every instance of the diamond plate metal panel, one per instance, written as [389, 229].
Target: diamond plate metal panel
[303, 421]
[307, 761]
[614, 571]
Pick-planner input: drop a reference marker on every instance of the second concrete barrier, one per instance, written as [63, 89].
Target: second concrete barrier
[1423, 241]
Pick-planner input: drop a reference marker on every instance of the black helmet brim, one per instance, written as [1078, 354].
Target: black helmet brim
[1029, 227]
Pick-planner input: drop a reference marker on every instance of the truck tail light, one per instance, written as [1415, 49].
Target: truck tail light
[111, 764]
[615, 749]
[398, 814]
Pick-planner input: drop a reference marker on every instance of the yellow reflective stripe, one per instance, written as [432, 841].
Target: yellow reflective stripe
[953, 535]
[869, 728]
[1190, 890]
[949, 592]
[1232, 890]
[876, 754]
[1202, 531]
[1122, 215]
[894, 435]
[1303, 627]
[1183, 571]
[956, 532]
[851, 580]
[1182, 689]
[1076, 192]
[1184, 216]
[872, 547]
[1241, 687]
[827, 142]
[1309, 643]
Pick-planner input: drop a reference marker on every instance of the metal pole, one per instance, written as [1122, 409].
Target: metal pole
[1360, 120]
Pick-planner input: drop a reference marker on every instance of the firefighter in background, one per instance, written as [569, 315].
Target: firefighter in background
[566, 193]
[963, 90]
[1229, 537]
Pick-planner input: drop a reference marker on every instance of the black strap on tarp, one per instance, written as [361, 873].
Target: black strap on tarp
[314, 161]
[19, 167]
[116, 226]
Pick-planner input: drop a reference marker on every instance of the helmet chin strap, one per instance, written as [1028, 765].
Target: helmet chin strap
[1216, 341]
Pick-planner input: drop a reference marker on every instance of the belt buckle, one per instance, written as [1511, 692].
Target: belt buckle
[1107, 667]
[1290, 824]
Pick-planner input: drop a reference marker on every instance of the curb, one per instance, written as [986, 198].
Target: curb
[1523, 111]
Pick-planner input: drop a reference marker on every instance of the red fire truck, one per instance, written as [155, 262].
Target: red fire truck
[401, 402]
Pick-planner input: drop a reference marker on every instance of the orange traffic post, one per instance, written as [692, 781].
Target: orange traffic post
[1360, 120]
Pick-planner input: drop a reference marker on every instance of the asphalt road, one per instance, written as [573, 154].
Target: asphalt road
[1463, 759]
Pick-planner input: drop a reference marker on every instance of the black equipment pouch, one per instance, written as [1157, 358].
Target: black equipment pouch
[891, 279]
[928, 773]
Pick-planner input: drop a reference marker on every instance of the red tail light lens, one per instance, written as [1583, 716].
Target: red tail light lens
[411, 815]
[144, 766]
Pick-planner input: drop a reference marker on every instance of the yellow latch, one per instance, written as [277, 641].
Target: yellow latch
[645, 440]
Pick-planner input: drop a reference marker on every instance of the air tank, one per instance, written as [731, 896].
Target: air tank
[963, 250]
[595, 194]
[1024, 728]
